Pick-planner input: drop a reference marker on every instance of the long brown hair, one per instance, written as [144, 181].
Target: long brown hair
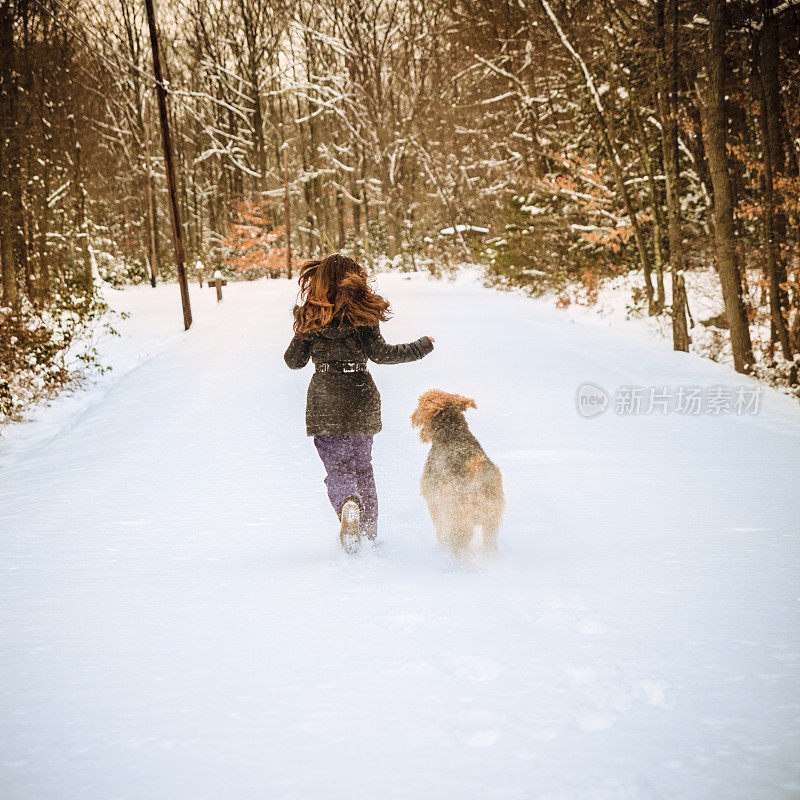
[333, 291]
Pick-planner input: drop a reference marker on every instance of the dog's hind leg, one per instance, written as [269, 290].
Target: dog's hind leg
[492, 508]
[490, 530]
[462, 538]
[450, 529]
[439, 519]
[458, 534]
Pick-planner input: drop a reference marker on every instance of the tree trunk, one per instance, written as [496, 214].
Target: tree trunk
[44, 213]
[774, 162]
[656, 305]
[81, 222]
[10, 190]
[317, 207]
[25, 243]
[339, 219]
[258, 131]
[667, 32]
[354, 193]
[287, 206]
[779, 332]
[10, 297]
[152, 239]
[715, 134]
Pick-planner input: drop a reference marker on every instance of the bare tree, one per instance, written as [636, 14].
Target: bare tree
[667, 33]
[715, 130]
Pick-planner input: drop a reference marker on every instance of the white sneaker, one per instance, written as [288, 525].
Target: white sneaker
[351, 526]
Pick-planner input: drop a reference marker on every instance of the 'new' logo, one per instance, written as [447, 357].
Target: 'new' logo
[591, 400]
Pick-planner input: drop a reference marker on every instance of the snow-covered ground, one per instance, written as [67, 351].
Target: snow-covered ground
[178, 621]
[613, 306]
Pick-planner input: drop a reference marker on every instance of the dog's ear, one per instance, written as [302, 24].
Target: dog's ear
[421, 419]
[428, 406]
[433, 402]
[462, 403]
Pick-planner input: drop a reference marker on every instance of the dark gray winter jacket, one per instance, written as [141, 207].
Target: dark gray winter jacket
[347, 404]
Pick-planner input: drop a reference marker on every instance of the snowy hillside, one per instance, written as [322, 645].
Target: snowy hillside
[612, 303]
[178, 620]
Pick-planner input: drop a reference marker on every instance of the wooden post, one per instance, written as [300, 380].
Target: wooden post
[287, 210]
[218, 284]
[174, 210]
[151, 206]
[199, 267]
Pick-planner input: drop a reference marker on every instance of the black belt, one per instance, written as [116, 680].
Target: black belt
[341, 366]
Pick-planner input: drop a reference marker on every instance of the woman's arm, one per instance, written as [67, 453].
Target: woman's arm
[298, 353]
[382, 353]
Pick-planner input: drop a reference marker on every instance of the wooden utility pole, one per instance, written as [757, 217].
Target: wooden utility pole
[287, 210]
[151, 206]
[174, 210]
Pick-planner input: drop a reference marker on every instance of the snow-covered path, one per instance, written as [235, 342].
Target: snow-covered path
[178, 622]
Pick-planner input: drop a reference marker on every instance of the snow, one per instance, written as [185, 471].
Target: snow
[461, 228]
[178, 620]
[614, 307]
[534, 211]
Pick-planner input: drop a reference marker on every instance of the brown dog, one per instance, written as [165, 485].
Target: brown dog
[462, 487]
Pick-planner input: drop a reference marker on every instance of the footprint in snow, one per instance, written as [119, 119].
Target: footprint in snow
[481, 738]
[595, 720]
[479, 728]
[471, 668]
[656, 693]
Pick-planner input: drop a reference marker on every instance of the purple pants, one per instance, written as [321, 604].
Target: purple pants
[348, 462]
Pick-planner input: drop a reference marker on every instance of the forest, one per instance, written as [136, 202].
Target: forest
[558, 143]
